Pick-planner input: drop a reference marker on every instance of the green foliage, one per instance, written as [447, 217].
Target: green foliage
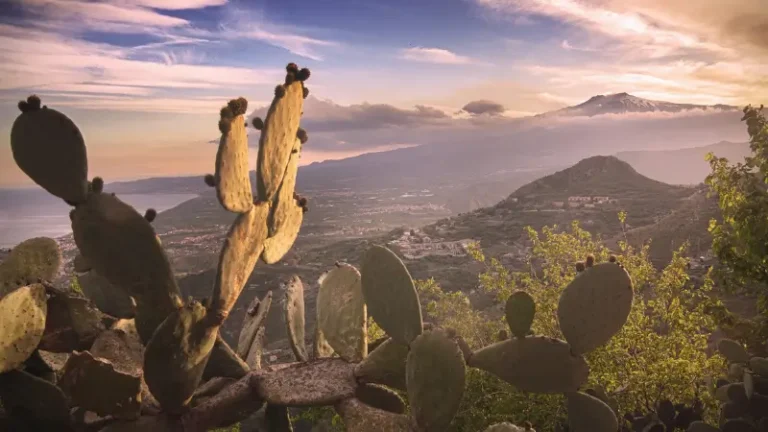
[739, 240]
[74, 285]
[659, 353]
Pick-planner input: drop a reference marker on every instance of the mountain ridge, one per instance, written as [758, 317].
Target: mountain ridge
[622, 103]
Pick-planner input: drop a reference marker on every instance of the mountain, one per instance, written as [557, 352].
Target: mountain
[683, 166]
[594, 176]
[621, 103]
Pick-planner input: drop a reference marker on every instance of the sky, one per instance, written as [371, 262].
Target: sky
[144, 79]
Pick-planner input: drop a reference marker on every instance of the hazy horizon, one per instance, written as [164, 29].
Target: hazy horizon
[144, 79]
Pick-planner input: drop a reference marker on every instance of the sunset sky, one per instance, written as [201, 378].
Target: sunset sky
[144, 79]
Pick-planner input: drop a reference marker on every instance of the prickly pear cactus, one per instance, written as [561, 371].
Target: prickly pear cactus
[287, 215]
[385, 365]
[536, 364]
[435, 379]
[519, 311]
[341, 312]
[233, 185]
[255, 319]
[589, 414]
[294, 317]
[31, 261]
[22, 323]
[63, 170]
[595, 306]
[505, 427]
[390, 294]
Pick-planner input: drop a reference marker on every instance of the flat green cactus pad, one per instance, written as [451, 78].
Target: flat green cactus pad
[121, 246]
[50, 149]
[359, 417]
[22, 323]
[380, 397]
[595, 306]
[233, 184]
[176, 356]
[535, 364]
[315, 383]
[435, 379]
[384, 365]
[341, 312]
[505, 427]
[72, 323]
[30, 262]
[96, 385]
[39, 401]
[733, 351]
[294, 317]
[390, 294]
[520, 310]
[277, 140]
[255, 319]
[287, 216]
[107, 297]
[242, 248]
[589, 414]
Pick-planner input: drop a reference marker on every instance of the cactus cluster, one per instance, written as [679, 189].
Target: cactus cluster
[139, 356]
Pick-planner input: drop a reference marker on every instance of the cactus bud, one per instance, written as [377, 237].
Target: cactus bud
[33, 102]
[150, 215]
[612, 259]
[224, 126]
[292, 67]
[590, 260]
[301, 134]
[279, 91]
[226, 112]
[97, 185]
[23, 106]
[258, 123]
[303, 75]
[580, 267]
[290, 78]
[238, 106]
[305, 91]
[210, 180]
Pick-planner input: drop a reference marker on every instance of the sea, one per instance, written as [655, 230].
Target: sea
[28, 213]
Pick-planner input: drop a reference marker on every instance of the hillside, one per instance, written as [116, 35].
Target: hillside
[683, 166]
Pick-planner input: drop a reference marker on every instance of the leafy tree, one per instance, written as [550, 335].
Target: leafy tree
[660, 353]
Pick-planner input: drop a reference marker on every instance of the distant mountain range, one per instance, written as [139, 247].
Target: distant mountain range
[621, 103]
[683, 166]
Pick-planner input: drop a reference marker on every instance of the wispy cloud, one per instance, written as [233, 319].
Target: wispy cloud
[567, 46]
[435, 55]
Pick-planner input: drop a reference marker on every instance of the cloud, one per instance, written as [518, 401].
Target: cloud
[567, 46]
[178, 4]
[102, 15]
[487, 107]
[434, 55]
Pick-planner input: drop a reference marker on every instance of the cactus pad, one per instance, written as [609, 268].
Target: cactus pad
[277, 418]
[294, 317]
[233, 184]
[341, 312]
[359, 417]
[96, 385]
[255, 319]
[435, 379]
[176, 356]
[384, 365]
[315, 383]
[81, 264]
[36, 400]
[320, 347]
[277, 140]
[505, 427]
[72, 323]
[380, 397]
[390, 294]
[535, 364]
[595, 306]
[733, 351]
[589, 414]
[700, 426]
[49, 148]
[241, 250]
[224, 362]
[286, 216]
[22, 323]
[30, 262]
[520, 310]
[121, 246]
[108, 298]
